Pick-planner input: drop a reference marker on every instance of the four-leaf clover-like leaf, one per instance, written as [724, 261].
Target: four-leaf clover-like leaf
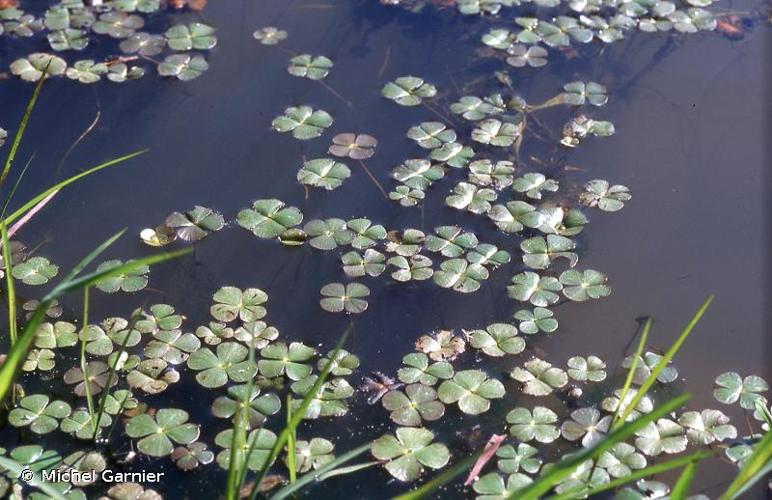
[539, 378]
[732, 387]
[303, 121]
[418, 402]
[409, 451]
[472, 390]
[157, 433]
[337, 297]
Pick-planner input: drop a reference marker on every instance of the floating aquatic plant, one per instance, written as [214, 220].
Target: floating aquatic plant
[539, 378]
[497, 339]
[328, 234]
[408, 451]
[579, 93]
[646, 364]
[538, 290]
[431, 135]
[259, 406]
[591, 368]
[118, 24]
[129, 282]
[229, 363]
[487, 173]
[156, 434]
[408, 90]
[282, 359]
[311, 67]
[538, 424]
[35, 271]
[732, 388]
[418, 174]
[324, 173]
[473, 108]
[496, 133]
[406, 196]
[144, 44]
[521, 56]
[418, 368]
[599, 193]
[460, 275]
[356, 265]
[193, 36]
[587, 425]
[269, 218]
[269, 35]
[303, 121]
[532, 184]
[337, 297]
[416, 404]
[39, 413]
[472, 390]
[582, 285]
[472, 198]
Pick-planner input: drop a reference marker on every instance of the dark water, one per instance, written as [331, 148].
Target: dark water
[690, 113]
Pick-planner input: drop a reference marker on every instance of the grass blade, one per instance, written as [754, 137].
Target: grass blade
[441, 480]
[291, 443]
[56, 187]
[12, 325]
[681, 487]
[319, 474]
[759, 464]
[298, 415]
[666, 359]
[15, 469]
[652, 470]
[237, 465]
[566, 467]
[631, 372]
[22, 128]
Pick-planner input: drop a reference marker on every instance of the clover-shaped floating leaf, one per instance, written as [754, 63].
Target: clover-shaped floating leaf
[145, 6]
[473, 108]
[214, 333]
[195, 224]
[256, 448]
[39, 359]
[191, 456]
[71, 39]
[538, 320]
[81, 423]
[143, 44]
[337, 297]
[97, 378]
[35, 457]
[451, 241]
[648, 363]
[579, 93]
[194, 36]
[406, 244]
[308, 66]
[582, 126]
[496, 133]
[230, 362]
[418, 174]
[431, 135]
[56, 335]
[562, 221]
[582, 285]
[472, 7]
[366, 234]
[279, 358]
[472, 390]
[621, 460]
[614, 404]
[312, 454]
[303, 121]
[39, 413]
[125, 491]
[599, 193]
[521, 56]
[241, 396]
[355, 265]
[408, 90]
[35, 271]
[591, 368]
[324, 173]
[409, 452]
[485, 254]
[539, 252]
[586, 424]
[418, 403]
[32, 68]
[533, 183]
[497, 340]
[343, 364]
[120, 72]
[172, 346]
[707, 426]
[83, 461]
[664, 436]
[491, 486]
[269, 218]
[732, 387]
[487, 173]
[539, 425]
[523, 458]
[460, 275]
[131, 281]
[530, 287]
[232, 303]
[330, 399]
[515, 215]
[739, 454]
[441, 345]
[158, 237]
[453, 154]
[539, 378]
[418, 369]
[328, 234]
[157, 433]
[470, 197]
[416, 268]
[183, 66]
[269, 35]
[256, 333]
[407, 197]
[500, 39]
[118, 24]
[152, 376]
[161, 317]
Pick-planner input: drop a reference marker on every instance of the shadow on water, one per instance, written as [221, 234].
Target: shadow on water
[690, 145]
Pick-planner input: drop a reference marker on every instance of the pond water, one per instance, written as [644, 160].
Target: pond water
[691, 118]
